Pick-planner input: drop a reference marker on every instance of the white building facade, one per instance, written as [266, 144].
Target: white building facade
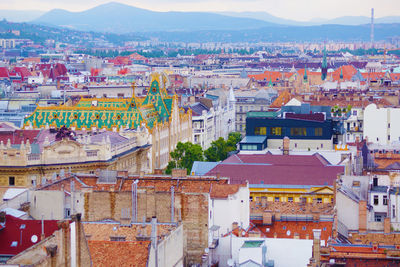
[381, 125]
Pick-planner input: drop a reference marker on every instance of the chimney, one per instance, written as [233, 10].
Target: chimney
[362, 216]
[286, 145]
[264, 255]
[179, 173]
[154, 233]
[386, 225]
[235, 225]
[3, 218]
[317, 246]
[158, 171]
[52, 252]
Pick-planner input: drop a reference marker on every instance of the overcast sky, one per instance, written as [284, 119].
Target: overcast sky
[290, 9]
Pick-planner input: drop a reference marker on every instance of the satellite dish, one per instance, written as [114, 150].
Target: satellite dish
[206, 250]
[34, 238]
[230, 262]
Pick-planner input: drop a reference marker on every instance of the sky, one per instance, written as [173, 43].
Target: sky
[302, 10]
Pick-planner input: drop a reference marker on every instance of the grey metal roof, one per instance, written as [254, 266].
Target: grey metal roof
[254, 139]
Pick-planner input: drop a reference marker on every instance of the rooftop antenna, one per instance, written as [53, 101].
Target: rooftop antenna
[372, 27]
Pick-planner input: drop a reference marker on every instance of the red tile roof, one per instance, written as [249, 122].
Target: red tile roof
[290, 228]
[281, 100]
[13, 232]
[278, 169]
[267, 75]
[348, 72]
[4, 73]
[119, 253]
[17, 136]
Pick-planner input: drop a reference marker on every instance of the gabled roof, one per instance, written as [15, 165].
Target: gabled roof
[281, 100]
[348, 72]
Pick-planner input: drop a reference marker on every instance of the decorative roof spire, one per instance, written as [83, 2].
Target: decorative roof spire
[341, 73]
[324, 66]
[305, 77]
[270, 84]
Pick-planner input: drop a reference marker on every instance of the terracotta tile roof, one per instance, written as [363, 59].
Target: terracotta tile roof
[374, 76]
[348, 72]
[281, 100]
[224, 191]
[309, 73]
[116, 253]
[290, 229]
[12, 233]
[267, 75]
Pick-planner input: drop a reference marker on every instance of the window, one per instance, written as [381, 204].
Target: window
[290, 199]
[393, 211]
[319, 200]
[389, 137]
[67, 213]
[304, 228]
[251, 199]
[260, 130]
[276, 199]
[389, 125]
[11, 180]
[298, 131]
[355, 112]
[324, 229]
[318, 131]
[284, 227]
[378, 217]
[385, 200]
[275, 131]
[376, 200]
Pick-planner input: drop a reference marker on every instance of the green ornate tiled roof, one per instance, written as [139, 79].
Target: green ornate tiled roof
[107, 112]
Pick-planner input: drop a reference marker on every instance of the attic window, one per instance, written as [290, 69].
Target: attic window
[14, 244]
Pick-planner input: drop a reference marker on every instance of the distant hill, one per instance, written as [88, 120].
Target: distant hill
[40, 33]
[345, 20]
[20, 15]
[120, 18]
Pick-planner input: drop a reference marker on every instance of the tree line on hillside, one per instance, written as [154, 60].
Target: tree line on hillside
[186, 153]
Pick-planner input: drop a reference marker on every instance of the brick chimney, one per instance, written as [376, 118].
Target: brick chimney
[386, 225]
[317, 246]
[286, 145]
[179, 173]
[362, 216]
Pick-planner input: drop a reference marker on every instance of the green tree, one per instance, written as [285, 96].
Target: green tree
[217, 151]
[184, 155]
[220, 148]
